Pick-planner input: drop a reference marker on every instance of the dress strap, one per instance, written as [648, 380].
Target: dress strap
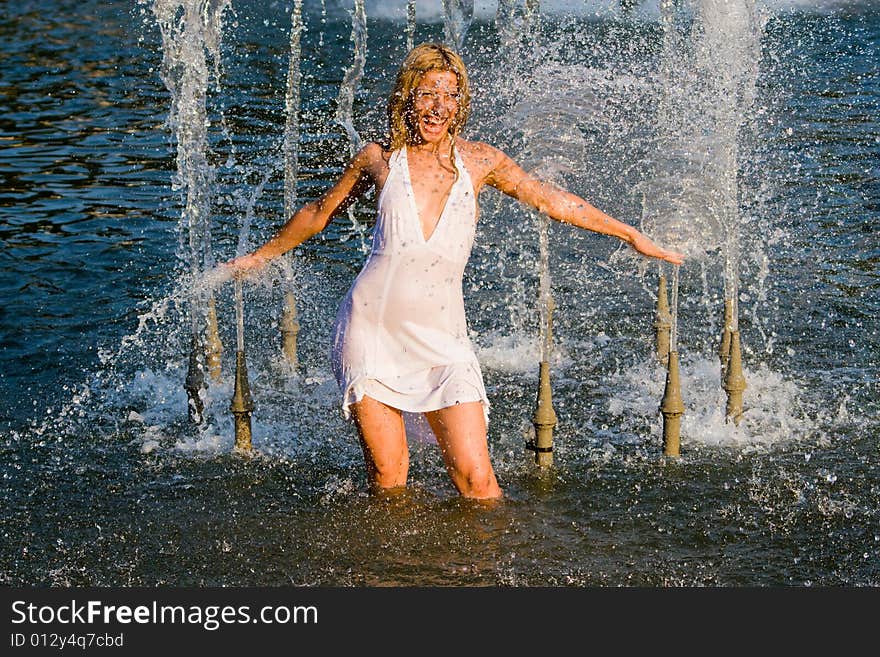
[396, 157]
[463, 173]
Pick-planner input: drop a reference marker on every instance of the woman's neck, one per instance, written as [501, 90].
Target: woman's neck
[443, 146]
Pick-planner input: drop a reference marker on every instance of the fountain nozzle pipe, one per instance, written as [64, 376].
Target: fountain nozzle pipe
[242, 405]
[289, 329]
[724, 348]
[195, 381]
[734, 380]
[672, 408]
[544, 419]
[213, 345]
[663, 323]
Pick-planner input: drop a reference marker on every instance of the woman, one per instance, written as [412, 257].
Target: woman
[400, 338]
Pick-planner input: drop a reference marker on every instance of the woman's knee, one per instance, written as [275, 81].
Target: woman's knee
[388, 469]
[478, 482]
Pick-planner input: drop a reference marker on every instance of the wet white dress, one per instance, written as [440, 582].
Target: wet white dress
[400, 335]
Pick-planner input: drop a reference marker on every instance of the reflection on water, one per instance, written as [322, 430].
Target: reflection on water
[105, 482]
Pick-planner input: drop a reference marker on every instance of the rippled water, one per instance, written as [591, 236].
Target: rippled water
[106, 482]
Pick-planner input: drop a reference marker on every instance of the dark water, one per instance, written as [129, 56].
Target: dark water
[106, 482]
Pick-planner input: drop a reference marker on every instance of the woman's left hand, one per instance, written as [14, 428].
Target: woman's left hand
[646, 247]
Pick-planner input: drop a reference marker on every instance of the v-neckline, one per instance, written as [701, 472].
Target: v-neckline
[415, 205]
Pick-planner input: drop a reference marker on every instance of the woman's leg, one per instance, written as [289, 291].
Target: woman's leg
[383, 439]
[461, 433]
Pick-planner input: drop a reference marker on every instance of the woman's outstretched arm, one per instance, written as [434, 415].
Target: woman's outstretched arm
[507, 176]
[315, 216]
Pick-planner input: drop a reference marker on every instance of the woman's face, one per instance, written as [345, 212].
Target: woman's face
[435, 105]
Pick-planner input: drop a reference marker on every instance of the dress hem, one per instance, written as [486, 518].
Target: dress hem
[355, 391]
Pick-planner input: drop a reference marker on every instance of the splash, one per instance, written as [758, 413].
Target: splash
[517, 353]
[776, 411]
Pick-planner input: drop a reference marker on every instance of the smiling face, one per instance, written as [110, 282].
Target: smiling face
[434, 106]
[431, 97]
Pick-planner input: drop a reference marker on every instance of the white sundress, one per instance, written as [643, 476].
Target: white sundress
[400, 335]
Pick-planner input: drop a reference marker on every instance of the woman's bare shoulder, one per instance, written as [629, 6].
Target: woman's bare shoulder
[372, 160]
[479, 150]
[372, 153]
[480, 156]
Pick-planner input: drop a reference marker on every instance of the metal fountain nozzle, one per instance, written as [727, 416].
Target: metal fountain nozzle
[724, 347]
[289, 330]
[734, 380]
[213, 345]
[544, 419]
[663, 323]
[195, 381]
[672, 408]
[242, 406]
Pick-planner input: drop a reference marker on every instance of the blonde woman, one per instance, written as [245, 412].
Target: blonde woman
[400, 338]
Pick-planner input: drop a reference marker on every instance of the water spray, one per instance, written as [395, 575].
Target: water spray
[672, 405]
[191, 35]
[410, 24]
[292, 103]
[345, 97]
[351, 79]
[242, 404]
[457, 18]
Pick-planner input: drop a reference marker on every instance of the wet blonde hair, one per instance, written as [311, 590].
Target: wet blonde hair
[421, 59]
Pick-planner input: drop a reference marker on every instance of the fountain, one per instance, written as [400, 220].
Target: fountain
[706, 83]
[677, 209]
